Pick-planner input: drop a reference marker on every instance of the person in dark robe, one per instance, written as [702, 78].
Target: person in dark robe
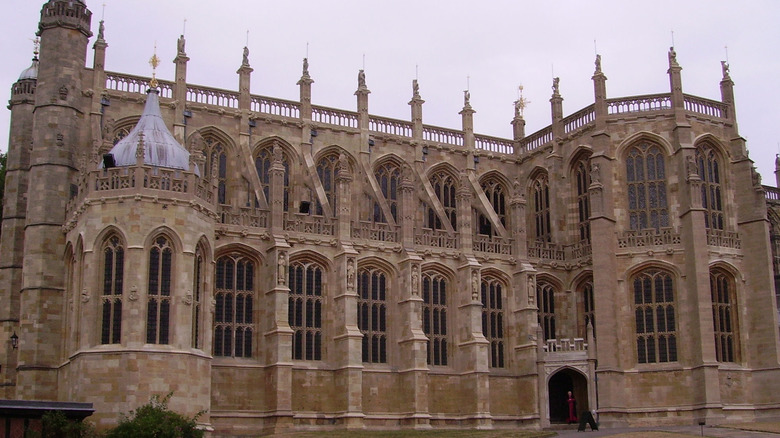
[572, 409]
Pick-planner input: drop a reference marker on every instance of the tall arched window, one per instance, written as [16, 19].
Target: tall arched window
[434, 288]
[113, 276]
[372, 314]
[305, 309]
[709, 172]
[198, 284]
[582, 177]
[444, 186]
[233, 314]
[328, 171]
[217, 167]
[723, 315]
[646, 178]
[263, 164]
[545, 297]
[495, 193]
[587, 308]
[656, 329]
[388, 175]
[158, 308]
[493, 319]
[541, 195]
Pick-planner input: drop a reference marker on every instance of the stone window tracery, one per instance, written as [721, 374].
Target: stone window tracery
[646, 178]
[233, 314]
[113, 278]
[709, 169]
[328, 172]
[158, 306]
[305, 309]
[388, 176]
[263, 164]
[587, 308]
[724, 316]
[434, 288]
[545, 297]
[217, 167]
[493, 319]
[372, 314]
[582, 178]
[496, 195]
[541, 196]
[656, 327]
[445, 187]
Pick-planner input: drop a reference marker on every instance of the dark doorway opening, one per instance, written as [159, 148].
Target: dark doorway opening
[557, 391]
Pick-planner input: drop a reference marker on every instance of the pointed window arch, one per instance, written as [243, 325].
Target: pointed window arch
[646, 178]
[434, 288]
[724, 315]
[263, 163]
[541, 195]
[113, 279]
[496, 195]
[493, 318]
[158, 307]
[233, 314]
[217, 167]
[198, 286]
[656, 327]
[307, 287]
[582, 178]
[388, 176]
[545, 297]
[709, 168]
[328, 172]
[372, 313]
[445, 188]
[587, 307]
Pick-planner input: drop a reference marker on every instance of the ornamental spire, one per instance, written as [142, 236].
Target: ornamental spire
[154, 61]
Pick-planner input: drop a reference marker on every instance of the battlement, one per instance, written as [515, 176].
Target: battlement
[67, 14]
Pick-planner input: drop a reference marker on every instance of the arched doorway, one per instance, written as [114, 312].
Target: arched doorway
[558, 387]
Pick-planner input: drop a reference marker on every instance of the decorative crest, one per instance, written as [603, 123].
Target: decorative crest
[521, 102]
[154, 61]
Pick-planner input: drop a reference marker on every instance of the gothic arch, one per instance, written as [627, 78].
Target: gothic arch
[498, 176]
[726, 266]
[446, 168]
[242, 249]
[167, 232]
[658, 264]
[382, 264]
[309, 255]
[221, 136]
[390, 158]
[104, 233]
[498, 274]
[638, 137]
[562, 368]
[338, 150]
[580, 278]
[265, 142]
[440, 269]
[535, 173]
[715, 143]
[579, 153]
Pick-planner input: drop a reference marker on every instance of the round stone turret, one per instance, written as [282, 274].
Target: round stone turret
[71, 14]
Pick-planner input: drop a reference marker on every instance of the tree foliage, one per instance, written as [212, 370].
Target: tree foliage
[57, 425]
[154, 419]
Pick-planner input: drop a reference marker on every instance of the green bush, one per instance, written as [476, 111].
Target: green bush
[154, 419]
[57, 425]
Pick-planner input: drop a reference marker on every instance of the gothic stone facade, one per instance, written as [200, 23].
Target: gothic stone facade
[330, 268]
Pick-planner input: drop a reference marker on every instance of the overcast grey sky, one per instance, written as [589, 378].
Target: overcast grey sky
[497, 45]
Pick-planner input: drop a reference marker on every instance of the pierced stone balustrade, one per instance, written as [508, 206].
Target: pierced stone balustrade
[375, 231]
[723, 239]
[436, 238]
[648, 238]
[492, 244]
[303, 223]
[565, 345]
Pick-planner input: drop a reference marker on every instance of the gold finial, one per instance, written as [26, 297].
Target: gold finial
[521, 102]
[36, 46]
[154, 61]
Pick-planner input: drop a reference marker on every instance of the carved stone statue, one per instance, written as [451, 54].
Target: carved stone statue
[361, 79]
[595, 173]
[598, 63]
[196, 142]
[101, 30]
[108, 128]
[350, 274]
[415, 281]
[756, 177]
[282, 269]
[84, 295]
[672, 57]
[474, 285]
[466, 98]
[180, 45]
[556, 85]
[690, 166]
[415, 89]
[306, 67]
[531, 289]
[724, 65]
[245, 61]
